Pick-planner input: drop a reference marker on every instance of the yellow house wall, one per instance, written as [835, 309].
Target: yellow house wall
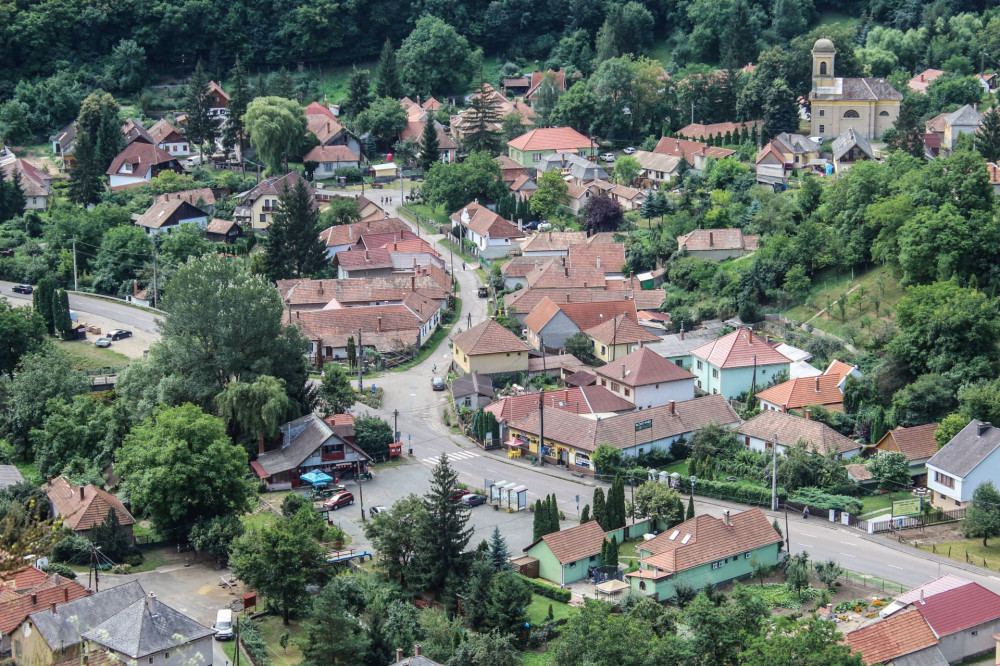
[490, 363]
[612, 352]
[33, 649]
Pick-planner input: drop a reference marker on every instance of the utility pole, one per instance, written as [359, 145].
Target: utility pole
[154, 272]
[774, 474]
[361, 492]
[361, 355]
[541, 426]
[541, 346]
[788, 539]
[395, 424]
[470, 321]
[76, 287]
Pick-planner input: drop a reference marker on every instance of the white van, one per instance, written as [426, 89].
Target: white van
[223, 625]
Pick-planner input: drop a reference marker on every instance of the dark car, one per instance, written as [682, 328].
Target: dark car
[438, 384]
[531, 226]
[473, 500]
[22, 289]
[339, 500]
[119, 334]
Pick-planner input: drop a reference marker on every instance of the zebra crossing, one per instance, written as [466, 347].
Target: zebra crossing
[452, 456]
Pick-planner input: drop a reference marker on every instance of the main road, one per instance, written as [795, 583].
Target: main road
[118, 311]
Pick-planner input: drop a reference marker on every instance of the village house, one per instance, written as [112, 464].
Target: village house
[523, 301]
[407, 251]
[83, 507]
[62, 145]
[647, 380]
[759, 432]
[36, 185]
[167, 213]
[868, 106]
[139, 163]
[703, 132]
[447, 148]
[170, 139]
[466, 120]
[218, 106]
[529, 148]
[493, 236]
[615, 338]
[28, 590]
[965, 120]
[551, 243]
[695, 153]
[571, 439]
[850, 148]
[306, 294]
[733, 364]
[330, 158]
[676, 347]
[658, 170]
[472, 391]
[826, 390]
[488, 349]
[717, 244]
[308, 443]
[576, 170]
[593, 402]
[256, 207]
[970, 458]
[552, 323]
[920, 82]
[510, 170]
[704, 551]
[917, 443]
[558, 80]
[134, 132]
[567, 556]
[222, 231]
[358, 263]
[323, 124]
[522, 188]
[345, 236]
[604, 256]
[384, 328]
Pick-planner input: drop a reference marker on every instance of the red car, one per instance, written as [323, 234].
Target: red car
[339, 500]
[458, 493]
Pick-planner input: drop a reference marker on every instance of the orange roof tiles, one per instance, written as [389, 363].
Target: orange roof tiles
[330, 154]
[575, 543]
[609, 257]
[550, 138]
[688, 149]
[349, 234]
[621, 331]
[739, 349]
[797, 393]
[541, 315]
[895, 636]
[484, 222]
[576, 400]
[916, 442]
[710, 540]
[921, 81]
[139, 154]
[700, 131]
[791, 429]
[704, 240]
[589, 315]
[16, 606]
[82, 507]
[356, 260]
[643, 367]
[488, 337]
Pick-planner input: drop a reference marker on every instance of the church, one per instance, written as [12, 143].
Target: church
[868, 106]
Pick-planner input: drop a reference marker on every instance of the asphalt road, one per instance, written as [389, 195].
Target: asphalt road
[126, 315]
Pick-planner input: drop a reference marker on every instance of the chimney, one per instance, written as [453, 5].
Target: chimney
[817, 384]
[673, 407]
[725, 518]
[682, 329]
[520, 224]
[922, 602]
[52, 607]
[768, 339]
[81, 493]
[34, 599]
[399, 655]
[380, 324]
[678, 146]
[984, 426]
[413, 282]
[711, 239]
[623, 371]
[350, 231]
[150, 604]
[784, 408]
[809, 415]
[418, 650]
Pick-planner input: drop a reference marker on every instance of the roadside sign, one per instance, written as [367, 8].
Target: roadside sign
[907, 507]
[644, 425]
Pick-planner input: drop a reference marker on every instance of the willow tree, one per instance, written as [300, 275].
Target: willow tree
[258, 408]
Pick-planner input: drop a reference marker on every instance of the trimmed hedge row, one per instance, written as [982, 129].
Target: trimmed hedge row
[816, 498]
[556, 593]
[745, 493]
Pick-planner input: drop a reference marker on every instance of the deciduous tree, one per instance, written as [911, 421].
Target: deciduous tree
[336, 391]
[600, 213]
[256, 408]
[659, 501]
[552, 193]
[396, 535]
[373, 435]
[982, 518]
[22, 331]
[436, 58]
[276, 127]
[891, 469]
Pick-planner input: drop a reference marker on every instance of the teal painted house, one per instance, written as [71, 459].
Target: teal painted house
[727, 365]
[565, 556]
[704, 550]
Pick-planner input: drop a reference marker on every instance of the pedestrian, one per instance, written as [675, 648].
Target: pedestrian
[805, 513]
[434, 368]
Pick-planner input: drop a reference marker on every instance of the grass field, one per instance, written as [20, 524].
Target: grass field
[969, 550]
[835, 20]
[860, 318]
[876, 502]
[271, 629]
[86, 356]
[538, 609]
[536, 658]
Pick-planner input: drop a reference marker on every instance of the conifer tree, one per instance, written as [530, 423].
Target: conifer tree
[293, 246]
[430, 148]
[600, 509]
[585, 514]
[553, 514]
[239, 96]
[42, 302]
[387, 78]
[483, 133]
[499, 555]
[98, 140]
[200, 124]
[538, 522]
[988, 136]
[60, 313]
[359, 93]
[612, 553]
[690, 510]
[282, 85]
[442, 533]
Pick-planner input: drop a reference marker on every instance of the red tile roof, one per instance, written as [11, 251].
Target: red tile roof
[23, 578]
[321, 122]
[386, 327]
[920, 82]
[916, 442]
[589, 315]
[621, 331]
[643, 367]
[609, 257]
[574, 543]
[688, 149]
[791, 429]
[488, 337]
[960, 609]
[576, 400]
[483, 221]
[86, 506]
[797, 393]
[219, 226]
[330, 154]
[700, 131]
[704, 240]
[859, 472]
[524, 300]
[895, 636]
[138, 154]
[414, 130]
[738, 349]
[50, 589]
[547, 241]
[710, 540]
[559, 78]
[541, 315]
[163, 132]
[349, 234]
[550, 138]
[356, 260]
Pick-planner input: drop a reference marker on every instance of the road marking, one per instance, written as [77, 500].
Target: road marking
[848, 555]
[808, 545]
[454, 455]
[894, 566]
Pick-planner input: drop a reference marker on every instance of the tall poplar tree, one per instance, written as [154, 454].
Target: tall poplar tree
[388, 82]
[41, 300]
[430, 149]
[600, 508]
[293, 247]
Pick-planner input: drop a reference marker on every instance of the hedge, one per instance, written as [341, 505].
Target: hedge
[816, 498]
[546, 590]
[738, 491]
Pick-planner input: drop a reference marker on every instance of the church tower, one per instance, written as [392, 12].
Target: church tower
[823, 53]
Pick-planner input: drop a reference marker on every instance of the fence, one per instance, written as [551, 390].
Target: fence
[873, 582]
[936, 517]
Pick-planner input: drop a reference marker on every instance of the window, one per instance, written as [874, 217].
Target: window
[263, 217]
[593, 557]
[746, 441]
[746, 555]
[628, 393]
[974, 633]
[715, 373]
[699, 383]
[166, 655]
[572, 564]
[851, 113]
[603, 351]
[604, 382]
[822, 129]
[537, 157]
[616, 387]
[327, 351]
[822, 113]
[699, 365]
[883, 114]
[944, 480]
[642, 585]
[822, 69]
[715, 391]
[679, 362]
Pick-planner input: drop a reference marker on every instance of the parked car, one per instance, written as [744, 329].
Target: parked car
[22, 289]
[119, 334]
[484, 292]
[607, 157]
[544, 226]
[339, 500]
[223, 625]
[531, 226]
[376, 510]
[438, 384]
[458, 493]
[473, 499]
[630, 150]
[102, 342]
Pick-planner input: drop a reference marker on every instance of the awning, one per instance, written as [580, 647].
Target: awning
[259, 470]
[515, 442]
[316, 477]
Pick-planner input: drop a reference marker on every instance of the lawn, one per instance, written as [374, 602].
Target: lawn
[86, 356]
[439, 216]
[333, 80]
[681, 467]
[536, 658]
[876, 502]
[860, 318]
[538, 609]
[271, 629]
[835, 20]
[968, 550]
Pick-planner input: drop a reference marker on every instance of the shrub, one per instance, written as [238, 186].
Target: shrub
[816, 498]
[739, 491]
[546, 590]
[61, 569]
[73, 549]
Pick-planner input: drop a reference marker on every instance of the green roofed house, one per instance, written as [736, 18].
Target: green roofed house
[565, 556]
[704, 550]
